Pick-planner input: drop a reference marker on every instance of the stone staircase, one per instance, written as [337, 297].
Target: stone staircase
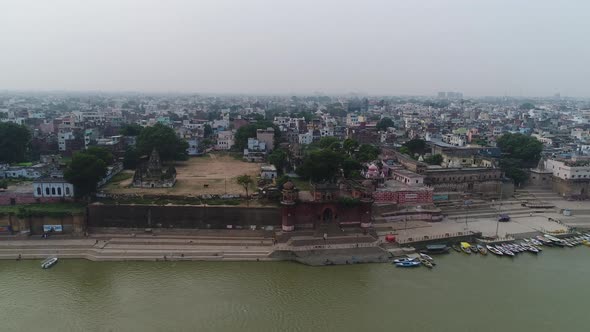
[146, 249]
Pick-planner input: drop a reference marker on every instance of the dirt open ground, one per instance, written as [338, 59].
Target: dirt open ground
[210, 174]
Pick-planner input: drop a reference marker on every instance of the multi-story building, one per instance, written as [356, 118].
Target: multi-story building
[225, 140]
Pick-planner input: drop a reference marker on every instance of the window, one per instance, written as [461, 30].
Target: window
[53, 191]
[38, 191]
[59, 191]
[46, 191]
[68, 191]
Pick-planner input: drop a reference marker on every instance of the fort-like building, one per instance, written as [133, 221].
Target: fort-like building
[347, 203]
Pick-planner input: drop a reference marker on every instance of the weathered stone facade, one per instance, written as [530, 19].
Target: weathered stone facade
[327, 206]
[153, 175]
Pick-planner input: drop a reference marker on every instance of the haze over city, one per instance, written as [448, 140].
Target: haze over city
[518, 48]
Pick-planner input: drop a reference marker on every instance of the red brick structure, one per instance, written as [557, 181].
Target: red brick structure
[347, 204]
[404, 197]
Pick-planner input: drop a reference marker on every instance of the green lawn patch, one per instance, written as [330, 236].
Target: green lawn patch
[43, 210]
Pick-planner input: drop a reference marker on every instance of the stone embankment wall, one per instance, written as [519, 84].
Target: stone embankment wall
[202, 217]
[72, 224]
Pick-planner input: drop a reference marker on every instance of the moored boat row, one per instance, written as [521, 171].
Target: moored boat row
[532, 245]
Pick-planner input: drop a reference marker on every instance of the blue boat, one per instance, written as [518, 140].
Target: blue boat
[408, 264]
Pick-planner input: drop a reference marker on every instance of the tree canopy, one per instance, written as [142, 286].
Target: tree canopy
[101, 153]
[245, 181]
[321, 165]
[331, 159]
[131, 129]
[84, 172]
[522, 147]
[14, 142]
[415, 146]
[163, 139]
[518, 151]
[385, 123]
[279, 159]
[435, 159]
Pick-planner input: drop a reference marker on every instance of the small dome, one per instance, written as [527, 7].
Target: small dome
[373, 167]
[288, 185]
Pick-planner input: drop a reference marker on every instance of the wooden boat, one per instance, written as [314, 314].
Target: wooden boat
[408, 264]
[494, 250]
[49, 262]
[456, 248]
[482, 250]
[435, 249]
[426, 257]
[586, 243]
[403, 260]
[428, 264]
[505, 250]
[466, 247]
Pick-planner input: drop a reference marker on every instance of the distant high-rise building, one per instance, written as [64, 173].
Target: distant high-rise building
[442, 95]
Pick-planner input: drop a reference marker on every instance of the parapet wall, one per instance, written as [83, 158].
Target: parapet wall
[202, 217]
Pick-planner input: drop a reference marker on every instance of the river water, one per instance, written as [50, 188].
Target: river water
[548, 292]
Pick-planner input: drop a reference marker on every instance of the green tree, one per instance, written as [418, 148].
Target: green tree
[512, 169]
[384, 123]
[131, 158]
[207, 131]
[101, 153]
[525, 148]
[84, 172]
[518, 151]
[14, 142]
[405, 150]
[435, 159]
[351, 168]
[328, 142]
[350, 146]
[367, 152]
[279, 159]
[245, 181]
[163, 139]
[321, 165]
[416, 146]
[3, 184]
[131, 129]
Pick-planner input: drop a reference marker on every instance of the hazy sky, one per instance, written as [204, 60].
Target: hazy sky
[479, 47]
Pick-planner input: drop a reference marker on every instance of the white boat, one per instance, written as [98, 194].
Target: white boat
[49, 262]
[426, 257]
[494, 250]
[403, 260]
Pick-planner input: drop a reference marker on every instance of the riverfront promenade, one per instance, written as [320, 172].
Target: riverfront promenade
[122, 247]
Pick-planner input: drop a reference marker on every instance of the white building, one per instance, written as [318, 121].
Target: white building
[569, 169]
[62, 138]
[53, 188]
[306, 138]
[225, 140]
[268, 172]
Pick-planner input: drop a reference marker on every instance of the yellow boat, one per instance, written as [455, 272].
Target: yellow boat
[586, 243]
[466, 247]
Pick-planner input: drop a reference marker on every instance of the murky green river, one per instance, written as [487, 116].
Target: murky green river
[548, 292]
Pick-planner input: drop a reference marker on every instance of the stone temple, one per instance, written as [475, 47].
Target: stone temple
[153, 175]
